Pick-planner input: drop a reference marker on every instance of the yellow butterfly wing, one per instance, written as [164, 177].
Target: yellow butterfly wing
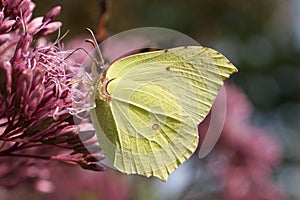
[148, 106]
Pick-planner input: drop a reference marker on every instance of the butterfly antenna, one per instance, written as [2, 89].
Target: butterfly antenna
[94, 43]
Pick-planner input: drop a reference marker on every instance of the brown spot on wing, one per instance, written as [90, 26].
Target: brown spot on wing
[155, 126]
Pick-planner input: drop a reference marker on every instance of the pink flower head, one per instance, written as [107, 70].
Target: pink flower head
[245, 155]
[35, 84]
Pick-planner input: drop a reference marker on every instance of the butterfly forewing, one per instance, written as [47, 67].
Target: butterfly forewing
[156, 101]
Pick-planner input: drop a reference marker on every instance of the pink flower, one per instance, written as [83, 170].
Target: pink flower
[244, 158]
[35, 99]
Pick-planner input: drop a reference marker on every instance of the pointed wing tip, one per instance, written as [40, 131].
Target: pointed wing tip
[234, 69]
[217, 55]
[162, 178]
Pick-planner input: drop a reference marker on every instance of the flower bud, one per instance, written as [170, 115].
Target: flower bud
[4, 38]
[86, 135]
[81, 137]
[38, 126]
[61, 135]
[28, 13]
[51, 27]
[5, 78]
[51, 14]
[94, 157]
[37, 77]
[24, 5]
[1, 16]
[34, 100]
[22, 47]
[7, 25]
[16, 4]
[23, 87]
[92, 166]
[34, 25]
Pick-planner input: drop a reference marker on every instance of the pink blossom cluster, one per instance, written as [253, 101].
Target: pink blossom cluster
[35, 99]
[245, 156]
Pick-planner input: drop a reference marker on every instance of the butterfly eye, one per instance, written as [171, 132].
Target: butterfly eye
[168, 68]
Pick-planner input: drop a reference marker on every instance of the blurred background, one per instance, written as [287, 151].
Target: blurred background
[258, 154]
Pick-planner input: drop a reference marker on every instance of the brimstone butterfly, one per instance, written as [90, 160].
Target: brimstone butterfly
[148, 106]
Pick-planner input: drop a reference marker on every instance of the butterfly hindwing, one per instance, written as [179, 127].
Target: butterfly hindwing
[156, 100]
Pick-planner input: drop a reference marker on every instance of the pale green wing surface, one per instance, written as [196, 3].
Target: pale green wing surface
[156, 101]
